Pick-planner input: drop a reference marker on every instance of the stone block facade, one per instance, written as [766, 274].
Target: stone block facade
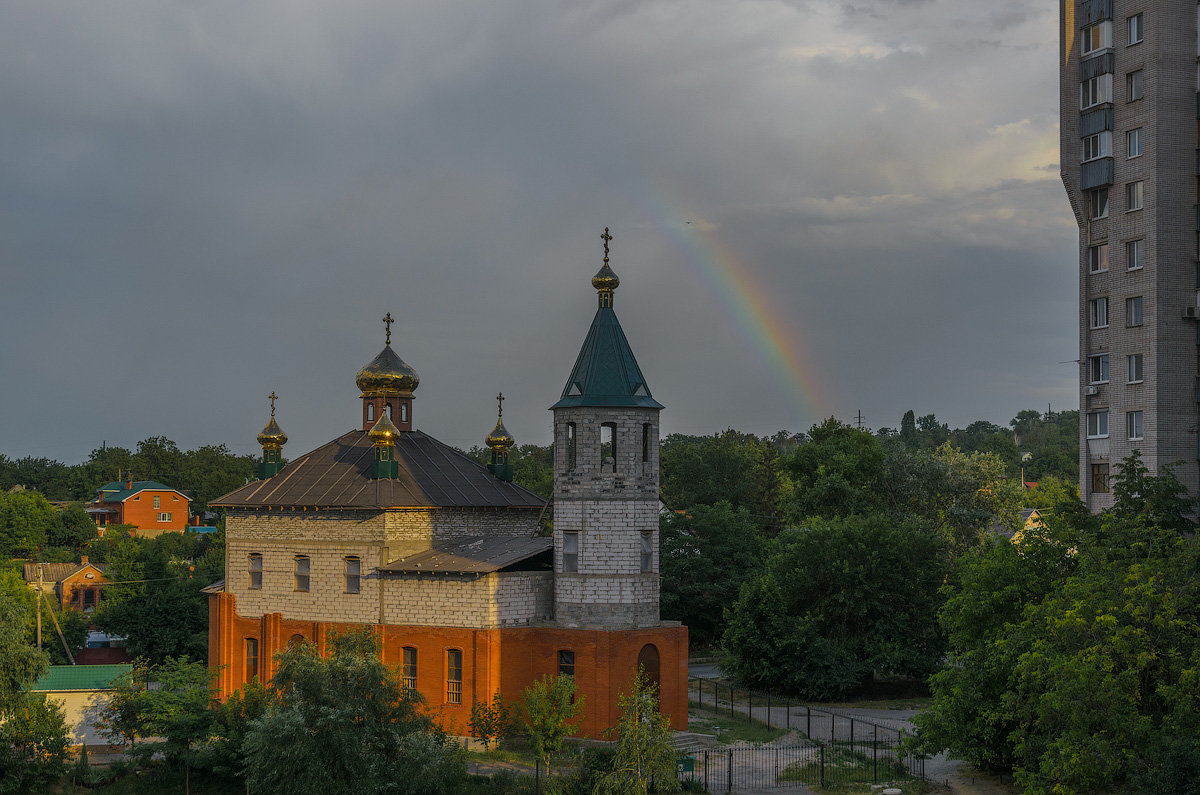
[498, 599]
[632, 473]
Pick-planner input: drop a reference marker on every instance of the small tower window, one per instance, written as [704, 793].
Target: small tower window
[608, 446]
[251, 659]
[454, 681]
[570, 445]
[408, 668]
[404, 412]
[388, 409]
[353, 575]
[254, 569]
[645, 442]
[570, 560]
[647, 552]
[303, 569]
[370, 411]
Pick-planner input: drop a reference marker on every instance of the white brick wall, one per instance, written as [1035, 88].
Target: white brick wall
[493, 600]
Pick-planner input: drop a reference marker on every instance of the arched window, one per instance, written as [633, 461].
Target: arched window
[403, 412]
[408, 667]
[647, 662]
[388, 409]
[251, 659]
[254, 570]
[454, 680]
[296, 640]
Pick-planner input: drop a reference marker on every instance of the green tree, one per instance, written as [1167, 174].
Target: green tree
[732, 467]
[840, 601]
[26, 521]
[119, 717]
[177, 710]
[232, 722]
[74, 528]
[644, 756]
[489, 721]
[550, 712]
[835, 471]
[705, 555]
[345, 724]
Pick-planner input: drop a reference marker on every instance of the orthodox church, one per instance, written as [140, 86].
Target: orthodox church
[386, 526]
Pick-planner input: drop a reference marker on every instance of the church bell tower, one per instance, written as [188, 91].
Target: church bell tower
[606, 480]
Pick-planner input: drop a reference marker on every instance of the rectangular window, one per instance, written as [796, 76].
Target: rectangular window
[1135, 28]
[1133, 425]
[1098, 258]
[251, 659]
[1135, 254]
[1099, 369]
[158, 502]
[1097, 146]
[1098, 203]
[1134, 86]
[408, 668]
[302, 572]
[647, 552]
[645, 442]
[1134, 195]
[1133, 368]
[1097, 424]
[608, 446]
[254, 569]
[1133, 142]
[570, 551]
[453, 676]
[1100, 478]
[1096, 37]
[1133, 311]
[353, 575]
[1098, 313]
[566, 662]
[570, 445]
[164, 517]
[1095, 91]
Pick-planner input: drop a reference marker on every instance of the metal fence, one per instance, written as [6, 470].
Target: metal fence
[817, 723]
[812, 763]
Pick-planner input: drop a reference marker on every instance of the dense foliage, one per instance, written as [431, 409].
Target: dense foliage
[1074, 653]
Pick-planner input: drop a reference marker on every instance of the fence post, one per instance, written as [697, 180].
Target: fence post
[789, 713]
[822, 764]
[729, 770]
[808, 721]
[706, 770]
[851, 731]
[875, 758]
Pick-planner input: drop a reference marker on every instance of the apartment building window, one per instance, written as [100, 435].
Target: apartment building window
[1133, 311]
[1135, 85]
[251, 659]
[570, 551]
[1098, 365]
[302, 572]
[454, 680]
[254, 570]
[1098, 313]
[1097, 146]
[1100, 478]
[647, 552]
[1135, 28]
[1096, 37]
[353, 574]
[1134, 195]
[1095, 91]
[408, 667]
[1134, 373]
[1097, 424]
[1098, 203]
[1133, 425]
[1133, 142]
[1098, 258]
[566, 662]
[1135, 254]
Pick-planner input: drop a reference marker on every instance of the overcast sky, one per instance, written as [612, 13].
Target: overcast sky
[817, 208]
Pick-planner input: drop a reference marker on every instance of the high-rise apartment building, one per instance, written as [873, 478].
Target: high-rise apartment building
[1130, 160]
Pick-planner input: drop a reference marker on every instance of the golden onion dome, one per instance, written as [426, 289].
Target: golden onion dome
[605, 278]
[384, 431]
[500, 438]
[387, 374]
[272, 435]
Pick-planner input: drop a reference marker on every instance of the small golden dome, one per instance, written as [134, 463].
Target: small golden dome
[384, 432]
[605, 279]
[500, 438]
[272, 435]
[387, 374]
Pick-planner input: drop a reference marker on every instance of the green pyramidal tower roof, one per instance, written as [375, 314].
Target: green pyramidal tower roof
[606, 372]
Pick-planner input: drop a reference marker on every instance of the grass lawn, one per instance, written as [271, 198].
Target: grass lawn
[729, 729]
[844, 766]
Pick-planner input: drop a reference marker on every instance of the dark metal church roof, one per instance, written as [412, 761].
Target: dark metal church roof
[338, 475]
[606, 372]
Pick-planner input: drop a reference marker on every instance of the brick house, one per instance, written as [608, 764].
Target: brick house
[151, 507]
[387, 527]
[78, 586]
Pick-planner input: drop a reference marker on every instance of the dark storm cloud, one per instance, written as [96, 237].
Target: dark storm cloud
[203, 202]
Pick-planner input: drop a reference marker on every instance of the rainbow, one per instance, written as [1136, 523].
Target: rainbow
[747, 303]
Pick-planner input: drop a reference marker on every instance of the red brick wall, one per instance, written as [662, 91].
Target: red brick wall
[140, 512]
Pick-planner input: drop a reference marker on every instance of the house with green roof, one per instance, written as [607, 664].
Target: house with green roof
[149, 506]
[80, 691]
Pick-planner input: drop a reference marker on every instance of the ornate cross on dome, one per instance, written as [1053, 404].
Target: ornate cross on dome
[500, 403]
[387, 321]
[606, 237]
[273, 396]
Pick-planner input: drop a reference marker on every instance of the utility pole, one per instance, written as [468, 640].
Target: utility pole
[858, 420]
[39, 607]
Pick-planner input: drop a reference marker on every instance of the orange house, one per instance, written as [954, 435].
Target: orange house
[447, 560]
[79, 586]
[151, 507]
